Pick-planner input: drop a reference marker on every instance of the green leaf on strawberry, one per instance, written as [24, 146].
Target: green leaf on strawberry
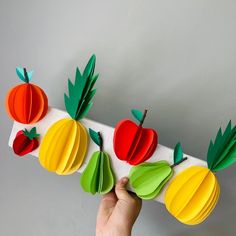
[31, 134]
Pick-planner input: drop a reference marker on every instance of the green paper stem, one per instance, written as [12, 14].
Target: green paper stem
[26, 76]
[101, 141]
[177, 163]
[143, 118]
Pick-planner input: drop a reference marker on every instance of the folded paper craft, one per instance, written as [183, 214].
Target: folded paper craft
[148, 179]
[25, 141]
[120, 168]
[26, 103]
[64, 146]
[193, 193]
[133, 143]
[98, 176]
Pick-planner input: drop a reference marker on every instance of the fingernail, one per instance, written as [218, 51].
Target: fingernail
[124, 180]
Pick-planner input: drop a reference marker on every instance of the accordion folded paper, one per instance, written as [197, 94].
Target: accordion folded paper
[26, 103]
[193, 193]
[64, 146]
[132, 142]
[25, 141]
[148, 179]
[98, 175]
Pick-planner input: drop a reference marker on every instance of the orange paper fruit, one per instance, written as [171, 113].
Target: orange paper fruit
[26, 103]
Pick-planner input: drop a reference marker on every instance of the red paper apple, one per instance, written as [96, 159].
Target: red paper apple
[132, 142]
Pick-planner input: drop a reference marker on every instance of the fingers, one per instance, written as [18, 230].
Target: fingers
[106, 206]
[120, 189]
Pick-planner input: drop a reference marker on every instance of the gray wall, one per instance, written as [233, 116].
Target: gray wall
[177, 58]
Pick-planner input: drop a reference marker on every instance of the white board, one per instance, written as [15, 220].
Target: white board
[120, 168]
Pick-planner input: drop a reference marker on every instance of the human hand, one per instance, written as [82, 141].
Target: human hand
[118, 211]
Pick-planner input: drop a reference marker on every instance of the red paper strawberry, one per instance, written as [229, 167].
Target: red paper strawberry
[133, 143]
[25, 141]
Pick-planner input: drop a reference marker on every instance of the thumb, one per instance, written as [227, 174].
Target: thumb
[120, 189]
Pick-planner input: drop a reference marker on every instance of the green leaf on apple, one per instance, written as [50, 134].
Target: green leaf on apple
[138, 115]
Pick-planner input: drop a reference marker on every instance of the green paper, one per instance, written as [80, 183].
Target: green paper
[88, 179]
[137, 114]
[95, 137]
[178, 154]
[148, 179]
[21, 74]
[98, 176]
[81, 93]
[31, 134]
[222, 153]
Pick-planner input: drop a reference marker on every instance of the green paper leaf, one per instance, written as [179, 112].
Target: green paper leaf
[222, 152]
[79, 100]
[178, 153]
[148, 179]
[138, 115]
[98, 175]
[21, 74]
[89, 69]
[95, 137]
[31, 134]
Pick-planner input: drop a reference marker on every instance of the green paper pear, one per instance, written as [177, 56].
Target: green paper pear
[148, 179]
[98, 175]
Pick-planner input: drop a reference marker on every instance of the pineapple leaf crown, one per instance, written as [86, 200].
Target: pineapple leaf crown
[222, 152]
[81, 93]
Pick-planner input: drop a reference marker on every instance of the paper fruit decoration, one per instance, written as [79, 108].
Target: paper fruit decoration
[98, 176]
[148, 179]
[193, 193]
[25, 141]
[132, 142]
[65, 144]
[26, 103]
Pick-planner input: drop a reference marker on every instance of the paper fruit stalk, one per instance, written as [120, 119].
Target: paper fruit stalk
[193, 193]
[26, 103]
[148, 179]
[98, 175]
[132, 142]
[25, 141]
[65, 144]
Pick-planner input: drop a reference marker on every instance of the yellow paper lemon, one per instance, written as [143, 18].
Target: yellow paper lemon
[64, 146]
[193, 194]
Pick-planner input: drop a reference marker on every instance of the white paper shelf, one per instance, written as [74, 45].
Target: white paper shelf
[120, 168]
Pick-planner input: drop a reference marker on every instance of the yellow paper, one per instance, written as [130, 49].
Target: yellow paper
[192, 195]
[64, 147]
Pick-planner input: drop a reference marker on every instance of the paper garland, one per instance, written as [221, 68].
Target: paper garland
[25, 142]
[193, 194]
[64, 146]
[148, 179]
[133, 143]
[98, 175]
[26, 103]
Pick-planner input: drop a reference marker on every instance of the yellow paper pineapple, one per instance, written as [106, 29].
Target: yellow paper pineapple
[193, 194]
[64, 146]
